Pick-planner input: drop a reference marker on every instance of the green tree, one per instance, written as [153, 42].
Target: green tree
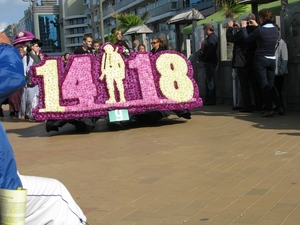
[230, 8]
[127, 20]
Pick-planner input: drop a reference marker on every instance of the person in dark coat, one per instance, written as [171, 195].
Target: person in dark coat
[210, 59]
[158, 44]
[242, 60]
[86, 47]
[265, 35]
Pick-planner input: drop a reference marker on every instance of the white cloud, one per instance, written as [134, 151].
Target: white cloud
[3, 25]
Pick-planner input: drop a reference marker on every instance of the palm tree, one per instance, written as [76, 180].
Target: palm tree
[128, 20]
[230, 8]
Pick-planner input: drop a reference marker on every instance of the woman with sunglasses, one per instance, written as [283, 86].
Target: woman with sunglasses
[158, 44]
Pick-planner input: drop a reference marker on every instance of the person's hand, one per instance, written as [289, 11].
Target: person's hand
[230, 23]
[237, 25]
[253, 23]
[244, 23]
[4, 39]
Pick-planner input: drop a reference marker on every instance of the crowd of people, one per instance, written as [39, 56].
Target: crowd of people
[259, 58]
[23, 100]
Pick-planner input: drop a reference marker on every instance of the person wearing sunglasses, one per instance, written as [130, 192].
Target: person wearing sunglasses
[158, 44]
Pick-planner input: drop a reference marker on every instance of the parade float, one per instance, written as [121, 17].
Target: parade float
[112, 85]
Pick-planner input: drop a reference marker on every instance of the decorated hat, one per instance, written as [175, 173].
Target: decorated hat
[23, 36]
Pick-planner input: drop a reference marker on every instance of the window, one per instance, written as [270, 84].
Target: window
[76, 40]
[50, 32]
[78, 30]
[78, 21]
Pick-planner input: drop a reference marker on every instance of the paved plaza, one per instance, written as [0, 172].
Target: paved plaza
[221, 167]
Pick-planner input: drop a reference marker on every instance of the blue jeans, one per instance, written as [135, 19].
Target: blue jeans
[265, 69]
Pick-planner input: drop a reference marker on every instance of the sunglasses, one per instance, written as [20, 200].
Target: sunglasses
[154, 42]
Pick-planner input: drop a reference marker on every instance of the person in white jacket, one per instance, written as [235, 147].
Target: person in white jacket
[31, 91]
[281, 65]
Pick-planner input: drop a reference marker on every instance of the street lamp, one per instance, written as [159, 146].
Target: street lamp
[101, 21]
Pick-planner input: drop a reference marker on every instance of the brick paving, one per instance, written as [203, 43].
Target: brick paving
[220, 167]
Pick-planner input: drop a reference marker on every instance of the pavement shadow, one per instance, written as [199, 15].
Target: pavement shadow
[290, 121]
[104, 126]
[35, 129]
[38, 129]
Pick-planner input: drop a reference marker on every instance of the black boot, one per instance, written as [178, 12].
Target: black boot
[277, 100]
[1, 113]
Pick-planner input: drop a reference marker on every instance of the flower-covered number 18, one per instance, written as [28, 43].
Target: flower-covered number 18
[91, 86]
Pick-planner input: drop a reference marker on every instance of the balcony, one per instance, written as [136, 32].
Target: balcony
[87, 12]
[164, 11]
[122, 6]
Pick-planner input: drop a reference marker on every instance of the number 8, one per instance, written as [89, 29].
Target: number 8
[174, 82]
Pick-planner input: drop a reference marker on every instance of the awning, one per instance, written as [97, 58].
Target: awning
[185, 17]
[218, 17]
[255, 1]
[140, 29]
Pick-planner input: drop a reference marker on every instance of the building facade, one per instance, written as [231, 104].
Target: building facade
[43, 20]
[159, 12]
[61, 26]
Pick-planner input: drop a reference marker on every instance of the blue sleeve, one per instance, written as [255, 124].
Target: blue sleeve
[11, 71]
[9, 178]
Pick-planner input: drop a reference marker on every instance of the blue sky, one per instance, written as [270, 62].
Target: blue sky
[11, 11]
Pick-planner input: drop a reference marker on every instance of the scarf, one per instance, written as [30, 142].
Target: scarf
[36, 58]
